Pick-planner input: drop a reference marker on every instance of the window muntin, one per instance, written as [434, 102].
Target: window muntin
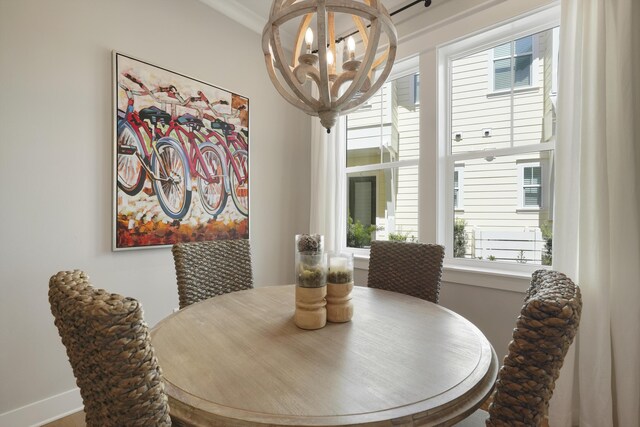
[383, 147]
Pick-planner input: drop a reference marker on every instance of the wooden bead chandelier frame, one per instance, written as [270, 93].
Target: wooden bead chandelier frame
[335, 97]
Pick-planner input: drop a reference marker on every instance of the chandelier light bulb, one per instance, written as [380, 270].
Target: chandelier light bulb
[329, 57]
[351, 46]
[308, 37]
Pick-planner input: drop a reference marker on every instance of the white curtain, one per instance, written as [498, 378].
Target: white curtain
[328, 158]
[597, 218]
[327, 215]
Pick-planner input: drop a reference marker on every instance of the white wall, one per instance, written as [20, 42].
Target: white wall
[56, 161]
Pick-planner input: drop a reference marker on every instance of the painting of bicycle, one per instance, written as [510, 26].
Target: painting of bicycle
[181, 158]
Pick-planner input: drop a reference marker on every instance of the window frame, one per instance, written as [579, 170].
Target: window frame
[426, 49]
[532, 24]
[522, 164]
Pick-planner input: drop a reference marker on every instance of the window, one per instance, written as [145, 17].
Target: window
[530, 187]
[382, 165]
[513, 64]
[416, 89]
[458, 187]
[496, 177]
[362, 199]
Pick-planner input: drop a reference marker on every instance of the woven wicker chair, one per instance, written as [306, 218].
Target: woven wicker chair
[207, 269]
[108, 345]
[547, 324]
[410, 268]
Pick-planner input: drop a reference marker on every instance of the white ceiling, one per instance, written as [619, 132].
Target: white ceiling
[254, 14]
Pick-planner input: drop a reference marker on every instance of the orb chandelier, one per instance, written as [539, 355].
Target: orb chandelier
[339, 91]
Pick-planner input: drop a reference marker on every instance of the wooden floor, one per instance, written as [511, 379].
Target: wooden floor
[73, 420]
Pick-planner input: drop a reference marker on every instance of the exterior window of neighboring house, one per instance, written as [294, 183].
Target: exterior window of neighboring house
[362, 199]
[458, 187]
[530, 187]
[513, 63]
[509, 140]
[382, 164]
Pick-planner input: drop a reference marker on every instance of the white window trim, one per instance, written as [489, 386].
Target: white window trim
[534, 23]
[521, 165]
[534, 70]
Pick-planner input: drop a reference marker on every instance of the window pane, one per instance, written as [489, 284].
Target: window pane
[487, 120]
[386, 128]
[522, 76]
[502, 79]
[502, 50]
[474, 107]
[455, 179]
[532, 196]
[493, 226]
[455, 198]
[383, 205]
[532, 175]
[524, 45]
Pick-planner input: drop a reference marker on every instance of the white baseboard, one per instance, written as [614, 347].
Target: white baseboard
[43, 411]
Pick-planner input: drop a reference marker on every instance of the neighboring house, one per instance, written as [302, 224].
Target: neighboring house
[383, 132]
[501, 98]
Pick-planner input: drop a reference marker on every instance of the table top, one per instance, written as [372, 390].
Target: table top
[238, 359]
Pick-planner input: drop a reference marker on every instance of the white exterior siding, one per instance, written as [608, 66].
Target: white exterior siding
[406, 221]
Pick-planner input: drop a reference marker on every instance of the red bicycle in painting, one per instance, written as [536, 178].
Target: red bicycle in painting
[236, 149]
[171, 149]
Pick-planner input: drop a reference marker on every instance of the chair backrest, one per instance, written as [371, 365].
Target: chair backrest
[544, 331]
[207, 269]
[410, 268]
[110, 351]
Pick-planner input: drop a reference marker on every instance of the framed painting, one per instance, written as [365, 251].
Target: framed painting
[181, 158]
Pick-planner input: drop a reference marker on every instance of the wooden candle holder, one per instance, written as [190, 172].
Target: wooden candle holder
[339, 305]
[310, 307]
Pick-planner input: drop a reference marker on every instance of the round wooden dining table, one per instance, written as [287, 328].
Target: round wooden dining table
[239, 360]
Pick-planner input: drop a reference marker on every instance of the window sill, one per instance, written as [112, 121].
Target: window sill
[527, 89]
[484, 277]
[528, 210]
[487, 278]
